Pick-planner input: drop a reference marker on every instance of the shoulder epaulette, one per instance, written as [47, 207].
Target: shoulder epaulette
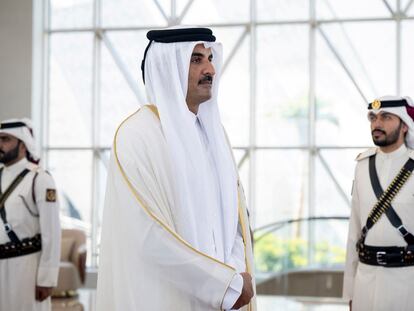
[40, 170]
[366, 154]
[36, 169]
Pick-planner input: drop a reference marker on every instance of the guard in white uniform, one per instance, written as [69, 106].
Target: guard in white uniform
[379, 271]
[29, 223]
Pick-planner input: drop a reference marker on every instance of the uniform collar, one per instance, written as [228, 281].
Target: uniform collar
[17, 167]
[394, 154]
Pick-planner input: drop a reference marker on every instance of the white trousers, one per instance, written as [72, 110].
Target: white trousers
[383, 289]
[18, 283]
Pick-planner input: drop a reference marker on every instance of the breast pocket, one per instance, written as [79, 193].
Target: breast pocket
[406, 193]
[20, 209]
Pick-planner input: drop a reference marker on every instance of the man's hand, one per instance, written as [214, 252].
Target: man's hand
[43, 292]
[247, 291]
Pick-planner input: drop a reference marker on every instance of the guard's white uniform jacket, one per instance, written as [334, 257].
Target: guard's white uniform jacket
[375, 287]
[20, 275]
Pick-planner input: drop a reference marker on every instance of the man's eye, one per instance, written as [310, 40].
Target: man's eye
[196, 60]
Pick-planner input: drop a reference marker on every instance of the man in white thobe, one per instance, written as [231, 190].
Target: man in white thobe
[175, 233]
[379, 274]
[29, 224]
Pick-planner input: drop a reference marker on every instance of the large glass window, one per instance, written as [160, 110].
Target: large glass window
[297, 77]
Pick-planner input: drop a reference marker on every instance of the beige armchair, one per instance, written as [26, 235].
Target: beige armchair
[72, 269]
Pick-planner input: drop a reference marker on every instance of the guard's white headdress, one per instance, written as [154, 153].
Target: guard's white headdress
[23, 130]
[165, 71]
[403, 107]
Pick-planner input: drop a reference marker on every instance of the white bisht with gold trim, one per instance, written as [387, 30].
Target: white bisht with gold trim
[145, 264]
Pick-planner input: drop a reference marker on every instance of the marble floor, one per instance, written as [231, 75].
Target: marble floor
[86, 302]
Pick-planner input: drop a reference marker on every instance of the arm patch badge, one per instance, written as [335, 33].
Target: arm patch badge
[50, 195]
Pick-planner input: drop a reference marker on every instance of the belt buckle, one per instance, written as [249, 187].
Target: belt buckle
[380, 260]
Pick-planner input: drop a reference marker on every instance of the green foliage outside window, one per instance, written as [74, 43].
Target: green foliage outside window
[276, 254]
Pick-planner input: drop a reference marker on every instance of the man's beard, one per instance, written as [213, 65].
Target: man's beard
[389, 139]
[11, 155]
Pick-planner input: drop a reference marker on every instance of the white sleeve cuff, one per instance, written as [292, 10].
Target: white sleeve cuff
[348, 288]
[233, 292]
[47, 277]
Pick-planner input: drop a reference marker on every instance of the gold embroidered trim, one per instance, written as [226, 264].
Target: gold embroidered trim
[147, 210]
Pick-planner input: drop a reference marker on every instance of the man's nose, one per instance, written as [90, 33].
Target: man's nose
[209, 69]
[378, 122]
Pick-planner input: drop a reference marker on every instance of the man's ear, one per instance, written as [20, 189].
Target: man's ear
[404, 128]
[22, 147]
